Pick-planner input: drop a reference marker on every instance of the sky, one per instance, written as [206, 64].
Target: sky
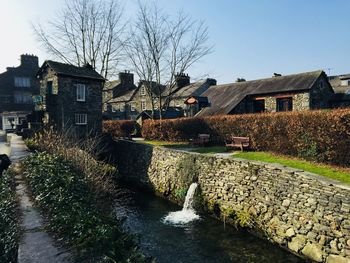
[252, 39]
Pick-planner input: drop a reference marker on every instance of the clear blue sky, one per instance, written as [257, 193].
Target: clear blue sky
[251, 38]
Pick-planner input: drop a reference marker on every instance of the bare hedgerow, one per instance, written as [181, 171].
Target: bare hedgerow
[82, 153]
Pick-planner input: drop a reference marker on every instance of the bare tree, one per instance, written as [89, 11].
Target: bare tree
[86, 32]
[160, 48]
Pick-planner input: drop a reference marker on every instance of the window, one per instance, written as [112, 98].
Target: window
[80, 92]
[143, 105]
[23, 97]
[284, 104]
[113, 109]
[22, 82]
[122, 107]
[258, 106]
[81, 119]
[143, 91]
[132, 107]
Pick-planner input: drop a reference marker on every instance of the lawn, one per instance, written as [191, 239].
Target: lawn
[332, 172]
[187, 146]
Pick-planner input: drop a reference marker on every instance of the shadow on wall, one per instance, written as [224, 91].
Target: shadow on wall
[123, 155]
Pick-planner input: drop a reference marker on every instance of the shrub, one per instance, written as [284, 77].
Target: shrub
[322, 136]
[120, 128]
[82, 153]
[8, 218]
[63, 192]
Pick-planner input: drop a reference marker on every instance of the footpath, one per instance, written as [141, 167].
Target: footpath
[36, 245]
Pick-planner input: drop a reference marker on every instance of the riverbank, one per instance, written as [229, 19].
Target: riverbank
[302, 212]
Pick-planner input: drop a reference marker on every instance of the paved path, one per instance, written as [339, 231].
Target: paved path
[36, 245]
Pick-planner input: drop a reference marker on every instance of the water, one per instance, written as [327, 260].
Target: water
[204, 240]
[187, 214]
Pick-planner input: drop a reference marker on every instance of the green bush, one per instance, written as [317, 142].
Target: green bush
[63, 192]
[322, 136]
[8, 219]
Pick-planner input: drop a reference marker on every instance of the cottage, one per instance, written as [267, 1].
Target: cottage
[341, 87]
[17, 86]
[72, 97]
[304, 91]
[124, 100]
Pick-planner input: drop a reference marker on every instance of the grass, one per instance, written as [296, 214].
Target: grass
[329, 171]
[333, 172]
[167, 144]
[179, 145]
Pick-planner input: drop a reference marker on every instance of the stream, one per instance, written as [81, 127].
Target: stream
[204, 240]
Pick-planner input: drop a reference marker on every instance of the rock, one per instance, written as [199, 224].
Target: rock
[333, 245]
[337, 259]
[290, 232]
[313, 252]
[348, 242]
[297, 243]
[286, 203]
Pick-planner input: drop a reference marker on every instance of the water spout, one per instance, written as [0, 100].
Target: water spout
[187, 214]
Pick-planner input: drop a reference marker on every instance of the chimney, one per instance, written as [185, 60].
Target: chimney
[276, 75]
[211, 82]
[182, 80]
[29, 60]
[126, 78]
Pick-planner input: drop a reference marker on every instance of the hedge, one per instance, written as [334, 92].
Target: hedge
[322, 135]
[120, 128]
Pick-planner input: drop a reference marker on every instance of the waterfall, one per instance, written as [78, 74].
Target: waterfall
[187, 214]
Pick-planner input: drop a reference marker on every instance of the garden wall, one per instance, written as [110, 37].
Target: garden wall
[322, 136]
[304, 213]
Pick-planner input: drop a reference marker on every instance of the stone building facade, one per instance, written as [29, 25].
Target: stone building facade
[298, 92]
[125, 101]
[72, 97]
[17, 86]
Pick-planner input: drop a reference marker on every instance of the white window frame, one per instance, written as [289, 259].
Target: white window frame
[132, 106]
[143, 105]
[122, 107]
[81, 92]
[80, 118]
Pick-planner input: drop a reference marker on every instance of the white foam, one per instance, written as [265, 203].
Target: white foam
[187, 214]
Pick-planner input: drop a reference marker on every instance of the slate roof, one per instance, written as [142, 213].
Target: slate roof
[121, 92]
[335, 82]
[224, 98]
[71, 70]
[193, 89]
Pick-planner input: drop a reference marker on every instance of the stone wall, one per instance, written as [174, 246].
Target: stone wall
[302, 212]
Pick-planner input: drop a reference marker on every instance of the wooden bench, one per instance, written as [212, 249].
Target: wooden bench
[201, 140]
[238, 142]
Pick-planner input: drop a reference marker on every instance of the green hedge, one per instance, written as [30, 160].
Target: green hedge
[8, 218]
[63, 192]
[322, 136]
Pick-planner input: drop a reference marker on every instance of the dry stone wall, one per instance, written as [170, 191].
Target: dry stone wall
[304, 213]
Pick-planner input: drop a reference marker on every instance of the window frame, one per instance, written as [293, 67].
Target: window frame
[285, 99]
[78, 90]
[80, 119]
[143, 105]
[256, 103]
[143, 91]
[132, 107]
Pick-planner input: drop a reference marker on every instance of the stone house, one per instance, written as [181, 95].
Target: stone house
[125, 101]
[341, 87]
[17, 87]
[72, 97]
[297, 92]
